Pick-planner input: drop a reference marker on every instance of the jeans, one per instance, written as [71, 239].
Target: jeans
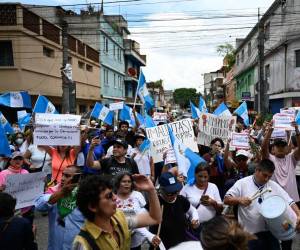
[264, 241]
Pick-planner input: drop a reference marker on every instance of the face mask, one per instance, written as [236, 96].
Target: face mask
[19, 141]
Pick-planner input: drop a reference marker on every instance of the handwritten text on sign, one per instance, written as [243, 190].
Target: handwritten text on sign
[212, 126]
[56, 129]
[240, 140]
[160, 140]
[283, 121]
[25, 187]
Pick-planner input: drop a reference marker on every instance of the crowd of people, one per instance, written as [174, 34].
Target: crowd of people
[107, 193]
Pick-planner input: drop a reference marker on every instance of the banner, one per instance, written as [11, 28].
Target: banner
[283, 121]
[116, 106]
[160, 139]
[212, 126]
[160, 116]
[25, 187]
[57, 130]
[240, 140]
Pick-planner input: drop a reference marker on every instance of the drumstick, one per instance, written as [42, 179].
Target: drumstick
[159, 226]
[261, 193]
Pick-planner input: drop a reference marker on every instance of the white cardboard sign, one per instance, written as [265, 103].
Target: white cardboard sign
[25, 187]
[160, 139]
[157, 116]
[240, 140]
[57, 130]
[116, 106]
[283, 121]
[212, 126]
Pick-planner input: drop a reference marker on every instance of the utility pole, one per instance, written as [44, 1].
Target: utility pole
[65, 82]
[263, 99]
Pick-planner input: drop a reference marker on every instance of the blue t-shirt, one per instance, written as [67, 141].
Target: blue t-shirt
[98, 153]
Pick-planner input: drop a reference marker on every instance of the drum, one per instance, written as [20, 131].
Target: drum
[279, 217]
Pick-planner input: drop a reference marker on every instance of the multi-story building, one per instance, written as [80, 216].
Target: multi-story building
[281, 57]
[31, 58]
[169, 100]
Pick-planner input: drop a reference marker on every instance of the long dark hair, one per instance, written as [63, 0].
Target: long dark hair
[118, 179]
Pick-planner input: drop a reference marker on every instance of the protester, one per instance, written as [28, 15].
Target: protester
[17, 141]
[249, 217]
[27, 141]
[285, 162]
[203, 195]
[128, 134]
[107, 227]
[216, 163]
[64, 218]
[143, 160]
[108, 139]
[121, 136]
[15, 232]
[132, 202]
[176, 209]
[115, 164]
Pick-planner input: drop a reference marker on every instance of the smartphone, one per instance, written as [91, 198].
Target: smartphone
[75, 178]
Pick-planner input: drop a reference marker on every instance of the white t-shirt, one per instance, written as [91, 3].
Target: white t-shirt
[142, 161]
[37, 158]
[109, 152]
[249, 217]
[193, 194]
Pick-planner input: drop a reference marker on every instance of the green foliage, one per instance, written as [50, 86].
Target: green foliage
[182, 96]
[156, 84]
[228, 52]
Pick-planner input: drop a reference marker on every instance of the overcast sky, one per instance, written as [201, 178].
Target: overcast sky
[179, 37]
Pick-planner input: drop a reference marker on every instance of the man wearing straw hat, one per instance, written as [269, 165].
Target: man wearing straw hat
[249, 194]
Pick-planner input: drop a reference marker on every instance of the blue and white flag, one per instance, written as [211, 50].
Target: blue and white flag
[23, 119]
[4, 145]
[103, 113]
[297, 119]
[222, 110]
[195, 111]
[5, 124]
[43, 105]
[149, 123]
[19, 99]
[145, 146]
[187, 160]
[202, 105]
[143, 92]
[125, 113]
[242, 111]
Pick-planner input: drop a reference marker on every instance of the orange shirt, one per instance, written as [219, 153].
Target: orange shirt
[58, 165]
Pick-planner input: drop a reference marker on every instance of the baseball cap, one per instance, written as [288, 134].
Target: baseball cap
[16, 154]
[242, 152]
[121, 142]
[280, 142]
[169, 183]
[139, 135]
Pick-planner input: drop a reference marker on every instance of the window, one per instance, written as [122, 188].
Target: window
[249, 49]
[243, 56]
[115, 81]
[89, 68]
[297, 58]
[106, 45]
[237, 59]
[82, 109]
[70, 60]
[114, 51]
[267, 72]
[267, 31]
[105, 76]
[80, 65]
[6, 53]
[48, 52]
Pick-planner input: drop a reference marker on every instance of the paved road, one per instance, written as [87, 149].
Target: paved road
[42, 233]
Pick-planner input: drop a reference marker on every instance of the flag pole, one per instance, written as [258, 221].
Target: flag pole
[136, 92]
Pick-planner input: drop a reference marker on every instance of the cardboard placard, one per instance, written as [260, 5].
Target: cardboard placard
[240, 140]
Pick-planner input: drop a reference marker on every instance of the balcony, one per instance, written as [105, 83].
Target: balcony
[132, 52]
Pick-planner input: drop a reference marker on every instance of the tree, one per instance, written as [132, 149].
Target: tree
[228, 52]
[182, 96]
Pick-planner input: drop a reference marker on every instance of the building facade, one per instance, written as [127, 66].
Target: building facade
[31, 58]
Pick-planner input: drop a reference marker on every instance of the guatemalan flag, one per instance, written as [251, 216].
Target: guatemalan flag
[242, 111]
[126, 114]
[5, 124]
[144, 93]
[103, 113]
[297, 119]
[23, 119]
[222, 110]
[187, 160]
[202, 105]
[43, 105]
[4, 145]
[195, 111]
[149, 123]
[145, 146]
[19, 99]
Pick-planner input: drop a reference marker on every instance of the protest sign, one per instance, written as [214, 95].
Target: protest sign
[157, 116]
[288, 111]
[170, 156]
[240, 140]
[25, 187]
[57, 129]
[116, 106]
[212, 126]
[160, 140]
[278, 133]
[283, 121]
